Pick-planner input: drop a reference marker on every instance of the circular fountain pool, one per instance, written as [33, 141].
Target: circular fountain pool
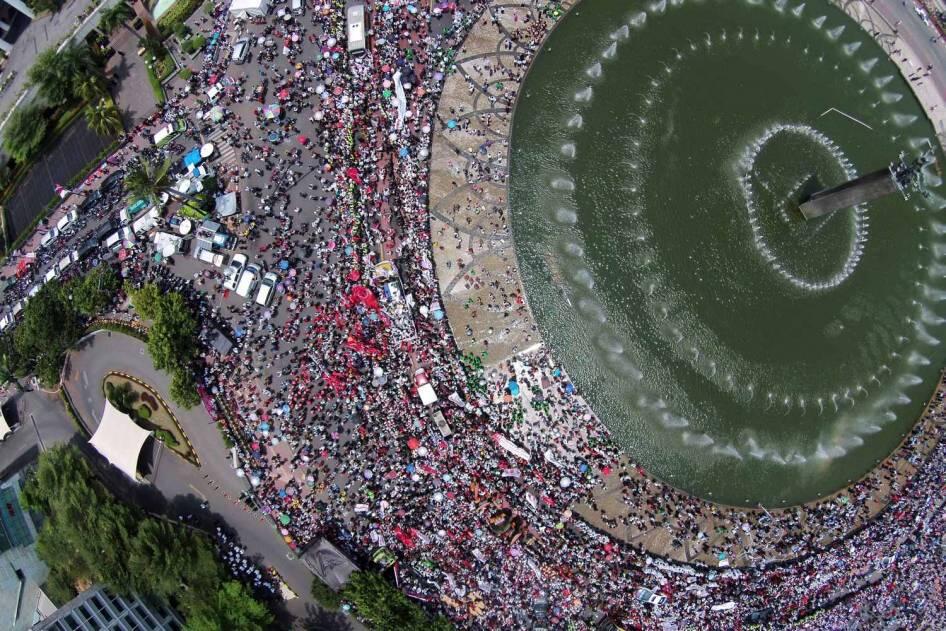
[659, 153]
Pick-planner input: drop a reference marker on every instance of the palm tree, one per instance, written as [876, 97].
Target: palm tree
[103, 117]
[59, 75]
[115, 16]
[147, 181]
[25, 132]
[91, 88]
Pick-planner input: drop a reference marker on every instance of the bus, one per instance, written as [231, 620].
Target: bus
[355, 27]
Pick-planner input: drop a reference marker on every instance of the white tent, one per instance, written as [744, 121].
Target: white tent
[249, 8]
[119, 440]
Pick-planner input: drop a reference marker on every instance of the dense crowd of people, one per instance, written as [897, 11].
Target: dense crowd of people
[320, 392]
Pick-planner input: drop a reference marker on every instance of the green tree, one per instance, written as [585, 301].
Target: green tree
[86, 533]
[92, 293]
[11, 362]
[382, 605]
[115, 16]
[327, 597]
[147, 181]
[49, 326]
[89, 536]
[91, 89]
[59, 75]
[104, 118]
[159, 557]
[182, 389]
[145, 300]
[122, 396]
[172, 336]
[232, 607]
[44, 5]
[25, 132]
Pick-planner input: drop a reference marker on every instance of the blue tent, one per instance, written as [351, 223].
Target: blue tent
[192, 158]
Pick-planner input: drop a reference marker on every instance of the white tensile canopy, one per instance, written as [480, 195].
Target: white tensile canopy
[120, 440]
[249, 8]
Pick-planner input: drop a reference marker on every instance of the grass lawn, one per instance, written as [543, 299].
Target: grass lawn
[152, 414]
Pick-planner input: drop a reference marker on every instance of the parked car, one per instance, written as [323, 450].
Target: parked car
[267, 288]
[248, 281]
[232, 274]
[241, 48]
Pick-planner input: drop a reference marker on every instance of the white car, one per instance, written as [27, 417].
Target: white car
[233, 271]
[267, 288]
[248, 280]
[645, 595]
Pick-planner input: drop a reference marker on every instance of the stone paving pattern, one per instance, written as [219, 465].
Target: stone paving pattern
[472, 239]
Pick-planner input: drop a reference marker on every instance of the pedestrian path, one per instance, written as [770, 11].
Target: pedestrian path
[226, 152]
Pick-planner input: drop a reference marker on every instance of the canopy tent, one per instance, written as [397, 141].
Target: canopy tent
[249, 8]
[226, 205]
[119, 440]
[329, 564]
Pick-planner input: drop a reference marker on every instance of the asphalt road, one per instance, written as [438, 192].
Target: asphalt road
[39, 422]
[180, 486]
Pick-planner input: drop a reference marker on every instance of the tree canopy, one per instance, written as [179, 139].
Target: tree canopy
[103, 116]
[148, 181]
[114, 16]
[172, 338]
[60, 75]
[386, 607]
[48, 327]
[88, 535]
[24, 133]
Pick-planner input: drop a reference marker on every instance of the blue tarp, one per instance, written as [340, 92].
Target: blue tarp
[192, 158]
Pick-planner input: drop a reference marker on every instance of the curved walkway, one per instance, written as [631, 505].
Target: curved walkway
[104, 352]
[489, 314]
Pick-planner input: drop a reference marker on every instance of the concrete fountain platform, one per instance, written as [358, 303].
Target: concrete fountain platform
[489, 313]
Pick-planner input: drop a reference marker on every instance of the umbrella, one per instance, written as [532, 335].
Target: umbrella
[284, 264]
[284, 519]
[303, 140]
[451, 123]
[413, 443]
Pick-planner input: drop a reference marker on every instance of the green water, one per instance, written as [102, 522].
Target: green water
[733, 349]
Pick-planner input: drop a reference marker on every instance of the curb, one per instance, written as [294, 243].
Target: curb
[151, 390]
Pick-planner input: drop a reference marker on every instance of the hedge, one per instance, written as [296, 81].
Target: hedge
[177, 14]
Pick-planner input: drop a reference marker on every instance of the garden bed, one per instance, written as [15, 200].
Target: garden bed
[146, 407]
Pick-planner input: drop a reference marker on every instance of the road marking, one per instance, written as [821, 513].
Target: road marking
[194, 488]
[85, 379]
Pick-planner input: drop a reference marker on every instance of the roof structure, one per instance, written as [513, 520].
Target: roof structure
[329, 564]
[119, 440]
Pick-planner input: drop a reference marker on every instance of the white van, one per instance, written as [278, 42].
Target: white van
[266, 289]
[213, 258]
[248, 281]
[49, 237]
[67, 220]
[240, 50]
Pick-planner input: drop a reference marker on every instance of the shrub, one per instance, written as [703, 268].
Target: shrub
[177, 14]
[144, 412]
[325, 595]
[194, 44]
[166, 437]
[186, 74]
